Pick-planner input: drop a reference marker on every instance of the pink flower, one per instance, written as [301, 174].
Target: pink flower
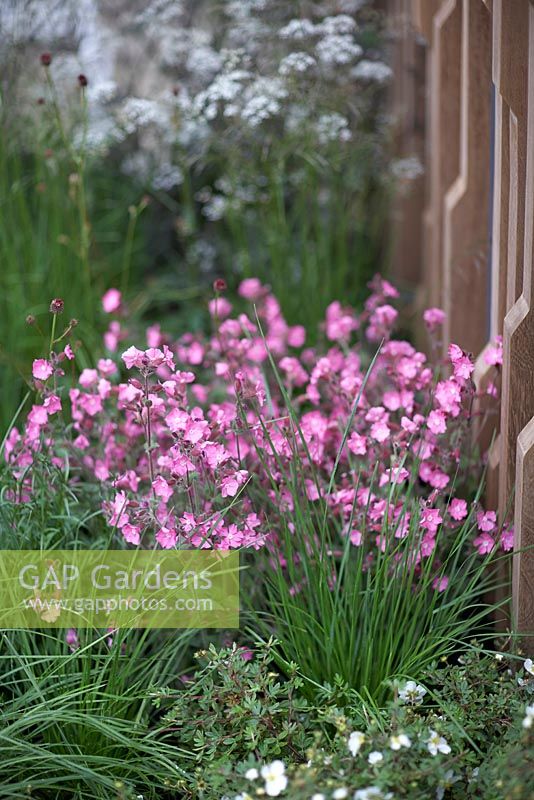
[440, 583]
[42, 369]
[111, 301]
[463, 366]
[484, 543]
[493, 354]
[250, 289]
[220, 307]
[380, 431]
[231, 483]
[458, 509]
[436, 422]
[448, 396]
[131, 533]
[431, 519]
[166, 537]
[507, 539]
[133, 357]
[357, 444]
[486, 521]
[296, 336]
[52, 404]
[68, 352]
[434, 317]
[162, 489]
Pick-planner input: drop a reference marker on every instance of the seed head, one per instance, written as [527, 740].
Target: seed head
[46, 59]
[56, 306]
[82, 80]
[219, 285]
[30, 319]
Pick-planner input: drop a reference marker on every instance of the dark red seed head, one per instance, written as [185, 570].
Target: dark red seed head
[82, 80]
[56, 306]
[219, 285]
[46, 59]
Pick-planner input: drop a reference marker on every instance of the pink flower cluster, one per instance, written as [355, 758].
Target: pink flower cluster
[191, 442]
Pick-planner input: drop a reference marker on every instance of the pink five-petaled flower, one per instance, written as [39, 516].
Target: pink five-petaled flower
[430, 519]
[162, 489]
[436, 422]
[463, 366]
[42, 369]
[458, 509]
[111, 301]
[484, 543]
[133, 357]
[357, 444]
[166, 537]
[486, 521]
[231, 483]
[507, 539]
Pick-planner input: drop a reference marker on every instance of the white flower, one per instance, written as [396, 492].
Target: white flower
[437, 744]
[528, 721]
[375, 757]
[296, 62]
[339, 24]
[252, 774]
[371, 71]
[297, 29]
[274, 777]
[372, 793]
[332, 127]
[499, 656]
[529, 666]
[356, 739]
[407, 169]
[412, 693]
[340, 793]
[338, 49]
[398, 741]
[318, 796]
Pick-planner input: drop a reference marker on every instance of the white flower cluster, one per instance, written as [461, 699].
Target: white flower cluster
[372, 71]
[298, 62]
[337, 49]
[406, 169]
[333, 127]
[262, 100]
[298, 29]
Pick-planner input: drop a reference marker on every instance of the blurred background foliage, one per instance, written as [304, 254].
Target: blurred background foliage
[169, 143]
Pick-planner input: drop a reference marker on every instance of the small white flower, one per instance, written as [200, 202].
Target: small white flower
[274, 777]
[412, 693]
[529, 666]
[356, 739]
[528, 721]
[318, 797]
[375, 757]
[252, 774]
[372, 793]
[398, 741]
[340, 793]
[499, 656]
[437, 744]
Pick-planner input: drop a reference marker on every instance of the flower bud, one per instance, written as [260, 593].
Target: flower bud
[56, 306]
[46, 59]
[30, 319]
[219, 285]
[82, 81]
